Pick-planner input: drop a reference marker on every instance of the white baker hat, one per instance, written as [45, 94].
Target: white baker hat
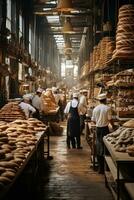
[40, 90]
[84, 90]
[27, 96]
[54, 89]
[102, 96]
[75, 95]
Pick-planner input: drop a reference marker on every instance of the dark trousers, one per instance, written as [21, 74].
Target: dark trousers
[82, 123]
[101, 132]
[75, 141]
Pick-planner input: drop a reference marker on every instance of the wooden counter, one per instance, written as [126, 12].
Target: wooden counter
[120, 167]
[117, 156]
[34, 151]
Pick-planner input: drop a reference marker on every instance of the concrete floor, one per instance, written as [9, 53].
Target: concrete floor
[69, 175]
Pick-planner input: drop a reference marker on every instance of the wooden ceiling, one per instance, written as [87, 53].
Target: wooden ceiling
[80, 19]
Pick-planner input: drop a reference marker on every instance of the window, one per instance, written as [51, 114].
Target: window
[8, 19]
[20, 25]
[30, 39]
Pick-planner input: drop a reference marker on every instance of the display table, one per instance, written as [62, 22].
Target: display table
[34, 158]
[118, 171]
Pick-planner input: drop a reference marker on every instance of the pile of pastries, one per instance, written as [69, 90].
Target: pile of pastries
[11, 111]
[122, 139]
[17, 139]
[48, 101]
[125, 32]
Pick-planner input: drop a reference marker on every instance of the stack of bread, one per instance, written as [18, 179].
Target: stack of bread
[124, 93]
[16, 142]
[125, 33]
[96, 56]
[106, 50]
[11, 111]
[48, 101]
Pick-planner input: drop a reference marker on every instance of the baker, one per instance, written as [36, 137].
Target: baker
[101, 117]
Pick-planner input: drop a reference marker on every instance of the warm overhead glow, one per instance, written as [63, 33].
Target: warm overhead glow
[65, 6]
[51, 2]
[67, 28]
[46, 9]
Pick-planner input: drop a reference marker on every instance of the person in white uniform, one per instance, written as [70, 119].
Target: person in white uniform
[26, 107]
[73, 123]
[101, 117]
[37, 104]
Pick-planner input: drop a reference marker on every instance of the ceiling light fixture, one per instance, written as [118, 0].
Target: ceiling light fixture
[65, 6]
[68, 28]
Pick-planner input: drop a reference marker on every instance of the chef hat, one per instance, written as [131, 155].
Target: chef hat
[27, 97]
[40, 90]
[102, 96]
[54, 89]
[84, 91]
[75, 95]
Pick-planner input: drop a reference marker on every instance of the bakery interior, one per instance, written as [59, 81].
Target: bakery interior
[72, 46]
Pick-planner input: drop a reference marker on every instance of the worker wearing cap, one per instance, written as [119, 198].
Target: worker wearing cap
[36, 102]
[26, 107]
[73, 122]
[101, 117]
[83, 109]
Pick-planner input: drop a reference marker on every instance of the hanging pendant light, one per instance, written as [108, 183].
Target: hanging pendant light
[68, 28]
[65, 6]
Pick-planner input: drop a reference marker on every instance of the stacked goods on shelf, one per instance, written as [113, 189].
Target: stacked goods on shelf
[16, 143]
[102, 53]
[106, 50]
[110, 47]
[85, 69]
[11, 111]
[123, 138]
[125, 33]
[48, 101]
[124, 101]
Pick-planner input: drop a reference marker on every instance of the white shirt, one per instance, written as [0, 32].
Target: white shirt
[27, 108]
[101, 115]
[73, 103]
[83, 105]
[36, 102]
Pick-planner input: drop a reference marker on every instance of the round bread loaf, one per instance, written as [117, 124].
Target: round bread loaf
[5, 180]
[8, 174]
[2, 170]
[8, 164]
[126, 7]
[4, 139]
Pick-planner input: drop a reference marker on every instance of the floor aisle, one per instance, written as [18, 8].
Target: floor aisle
[70, 176]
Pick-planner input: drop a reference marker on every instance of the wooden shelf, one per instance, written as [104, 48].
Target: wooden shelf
[112, 167]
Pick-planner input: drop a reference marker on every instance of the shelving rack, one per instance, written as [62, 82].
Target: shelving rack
[119, 176]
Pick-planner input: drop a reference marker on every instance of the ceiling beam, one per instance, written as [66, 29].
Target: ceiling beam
[60, 33]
